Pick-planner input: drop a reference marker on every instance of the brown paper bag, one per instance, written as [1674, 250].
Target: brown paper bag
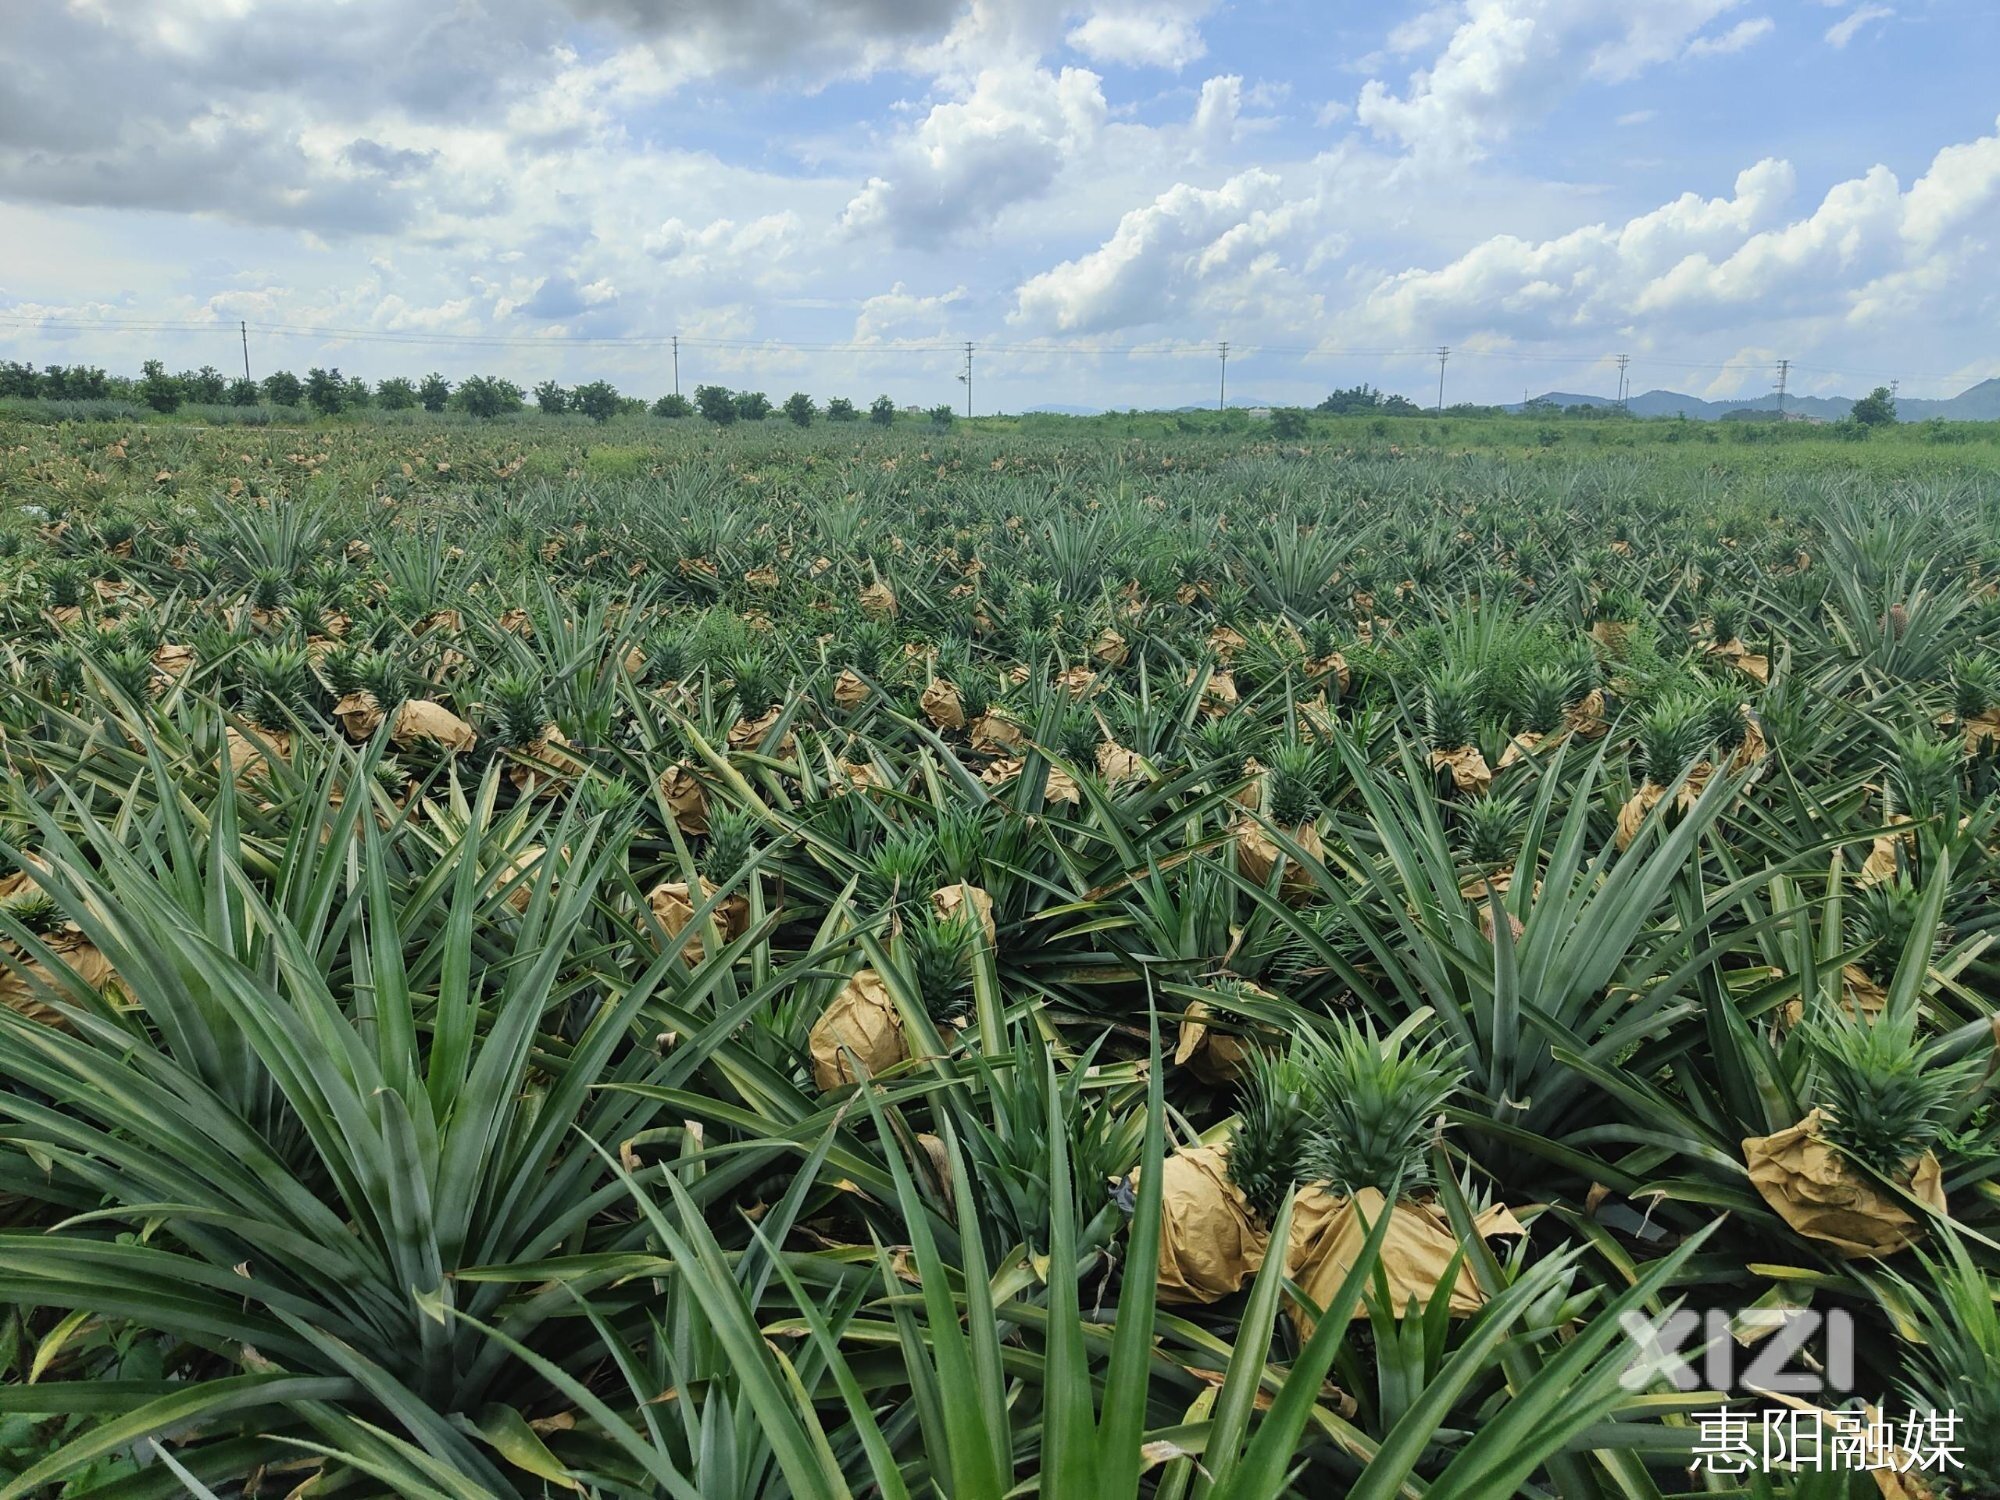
[1257, 856]
[673, 905]
[686, 799]
[1329, 1233]
[422, 722]
[862, 1020]
[1815, 1190]
[1210, 1242]
[953, 900]
[941, 705]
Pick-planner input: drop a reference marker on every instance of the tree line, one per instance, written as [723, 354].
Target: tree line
[329, 393]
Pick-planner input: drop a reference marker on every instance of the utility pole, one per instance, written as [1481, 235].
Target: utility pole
[1784, 374]
[1895, 386]
[1222, 390]
[1623, 361]
[1444, 353]
[243, 327]
[967, 377]
[677, 364]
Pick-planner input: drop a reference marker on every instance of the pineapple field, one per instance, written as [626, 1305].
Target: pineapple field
[1014, 961]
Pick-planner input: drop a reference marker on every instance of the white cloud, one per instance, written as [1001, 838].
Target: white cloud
[1843, 31]
[1190, 249]
[1155, 35]
[1638, 116]
[1735, 39]
[1867, 248]
[900, 314]
[970, 159]
[1505, 59]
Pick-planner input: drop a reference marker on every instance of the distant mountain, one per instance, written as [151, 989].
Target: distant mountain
[1981, 403]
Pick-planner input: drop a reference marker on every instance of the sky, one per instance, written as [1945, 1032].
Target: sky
[833, 195]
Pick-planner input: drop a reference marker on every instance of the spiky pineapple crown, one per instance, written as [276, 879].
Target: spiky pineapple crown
[274, 683]
[130, 670]
[902, 868]
[383, 676]
[65, 581]
[1727, 620]
[756, 682]
[520, 709]
[732, 837]
[1490, 828]
[869, 643]
[1542, 696]
[1673, 733]
[1975, 684]
[938, 952]
[1274, 1118]
[1451, 709]
[1376, 1111]
[1722, 718]
[1923, 774]
[1223, 742]
[340, 668]
[1294, 783]
[667, 655]
[961, 844]
[1883, 918]
[1882, 1097]
[268, 587]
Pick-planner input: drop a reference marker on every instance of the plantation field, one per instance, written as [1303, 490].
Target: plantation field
[1080, 959]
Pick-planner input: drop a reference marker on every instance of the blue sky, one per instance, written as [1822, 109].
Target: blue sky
[822, 196]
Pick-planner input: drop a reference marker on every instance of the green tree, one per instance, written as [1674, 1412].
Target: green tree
[717, 403]
[799, 407]
[355, 395]
[551, 398]
[157, 388]
[206, 386]
[1876, 409]
[942, 414]
[882, 411]
[282, 388]
[435, 392]
[598, 400]
[673, 404]
[325, 390]
[243, 391]
[488, 396]
[840, 409]
[396, 394]
[752, 406]
[1288, 424]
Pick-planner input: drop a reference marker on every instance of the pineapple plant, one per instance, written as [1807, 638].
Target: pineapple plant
[1293, 783]
[937, 950]
[1881, 1096]
[1542, 697]
[383, 676]
[1923, 776]
[1376, 1109]
[1489, 830]
[1451, 709]
[903, 867]
[274, 683]
[520, 710]
[732, 839]
[1279, 1098]
[1673, 734]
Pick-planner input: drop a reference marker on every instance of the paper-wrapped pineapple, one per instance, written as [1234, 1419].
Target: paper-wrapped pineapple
[1293, 796]
[1451, 700]
[27, 981]
[1881, 1100]
[673, 903]
[1674, 734]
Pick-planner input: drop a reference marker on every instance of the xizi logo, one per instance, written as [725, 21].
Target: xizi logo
[1756, 1349]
